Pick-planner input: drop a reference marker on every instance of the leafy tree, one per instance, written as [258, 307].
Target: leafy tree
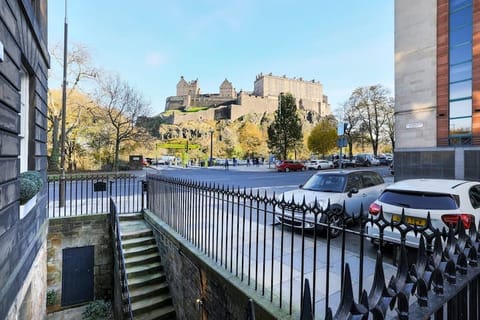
[323, 137]
[122, 106]
[285, 132]
[251, 139]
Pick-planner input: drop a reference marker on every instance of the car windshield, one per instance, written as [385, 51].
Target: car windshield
[326, 183]
[419, 200]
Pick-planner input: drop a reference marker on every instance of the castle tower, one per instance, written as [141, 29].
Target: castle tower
[227, 90]
[185, 88]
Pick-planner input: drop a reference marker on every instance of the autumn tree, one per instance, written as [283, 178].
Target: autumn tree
[79, 69]
[251, 139]
[122, 106]
[285, 132]
[323, 137]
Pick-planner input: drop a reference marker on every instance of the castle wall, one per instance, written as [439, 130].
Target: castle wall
[253, 104]
[267, 85]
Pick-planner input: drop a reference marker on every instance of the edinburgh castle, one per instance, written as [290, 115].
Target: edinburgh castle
[190, 105]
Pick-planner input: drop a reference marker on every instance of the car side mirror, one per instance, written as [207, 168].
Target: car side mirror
[352, 191]
[300, 186]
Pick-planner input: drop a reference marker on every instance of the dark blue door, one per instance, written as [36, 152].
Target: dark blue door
[77, 275]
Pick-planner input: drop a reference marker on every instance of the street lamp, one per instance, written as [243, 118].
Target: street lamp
[210, 161]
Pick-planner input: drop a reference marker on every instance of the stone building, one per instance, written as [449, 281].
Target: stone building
[24, 63]
[437, 71]
[228, 104]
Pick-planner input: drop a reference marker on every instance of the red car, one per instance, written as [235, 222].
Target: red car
[290, 165]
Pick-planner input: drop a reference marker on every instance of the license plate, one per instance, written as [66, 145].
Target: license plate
[421, 222]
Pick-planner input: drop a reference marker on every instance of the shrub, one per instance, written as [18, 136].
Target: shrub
[28, 189]
[30, 184]
[51, 297]
[98, 310]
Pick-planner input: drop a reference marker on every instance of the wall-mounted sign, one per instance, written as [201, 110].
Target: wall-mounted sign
[414, 125]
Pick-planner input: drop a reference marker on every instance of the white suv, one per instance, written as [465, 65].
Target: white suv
[445, 200]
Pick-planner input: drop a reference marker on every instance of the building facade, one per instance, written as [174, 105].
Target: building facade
[437, 78]
[24, 63]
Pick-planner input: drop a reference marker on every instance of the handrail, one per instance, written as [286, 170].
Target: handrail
[115, 223]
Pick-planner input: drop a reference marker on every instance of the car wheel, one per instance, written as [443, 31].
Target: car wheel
[303, 168]
[287, 169]
[335, 216]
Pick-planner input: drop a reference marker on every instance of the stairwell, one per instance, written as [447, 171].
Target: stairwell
[147, 284]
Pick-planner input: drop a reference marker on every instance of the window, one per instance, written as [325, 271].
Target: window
[460, 72]
[24, 119]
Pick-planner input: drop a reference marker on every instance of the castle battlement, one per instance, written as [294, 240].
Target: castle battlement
[264, 98]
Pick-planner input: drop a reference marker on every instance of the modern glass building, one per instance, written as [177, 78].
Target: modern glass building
[437, 83]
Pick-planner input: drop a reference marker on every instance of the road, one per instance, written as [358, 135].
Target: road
[270, 181]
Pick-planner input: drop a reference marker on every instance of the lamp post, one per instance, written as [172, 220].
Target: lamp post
[210, 161]
[64, 111]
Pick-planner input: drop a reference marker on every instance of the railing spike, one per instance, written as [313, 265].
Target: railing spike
[306, 312]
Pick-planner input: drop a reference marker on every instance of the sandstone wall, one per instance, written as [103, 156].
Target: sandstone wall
[80, 231]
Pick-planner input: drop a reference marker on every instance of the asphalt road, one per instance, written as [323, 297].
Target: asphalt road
[271, 181]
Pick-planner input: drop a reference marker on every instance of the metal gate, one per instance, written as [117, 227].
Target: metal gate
[77, 275]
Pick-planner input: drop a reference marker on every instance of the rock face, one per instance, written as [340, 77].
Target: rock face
[226, 132]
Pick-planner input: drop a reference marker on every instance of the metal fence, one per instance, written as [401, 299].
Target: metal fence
[119, 264]
[90, 194]
[307, 272]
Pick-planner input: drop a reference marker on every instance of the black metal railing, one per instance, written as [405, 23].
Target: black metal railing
[301, 262]
[119, 260]
[90, 194]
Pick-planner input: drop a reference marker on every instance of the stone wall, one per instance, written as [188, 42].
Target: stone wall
[30, 301]
[80, 231]
[192, 277]
[415, 74]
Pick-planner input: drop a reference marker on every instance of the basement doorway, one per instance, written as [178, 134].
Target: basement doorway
[77, 275]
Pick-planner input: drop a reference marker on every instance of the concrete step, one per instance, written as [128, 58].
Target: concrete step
[130, 216]
[144, 268]
[143, 292]
[128, 243]
[164, 313]
[139, 250]
[145, 305]
[135, 234]
[139, 260]
[146, 279]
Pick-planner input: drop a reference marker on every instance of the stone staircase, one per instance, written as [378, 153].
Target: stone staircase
[147, 284]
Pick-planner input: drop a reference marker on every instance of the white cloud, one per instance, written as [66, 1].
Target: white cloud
[154, 59]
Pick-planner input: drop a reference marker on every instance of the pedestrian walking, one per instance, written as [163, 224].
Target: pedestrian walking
[226, 164]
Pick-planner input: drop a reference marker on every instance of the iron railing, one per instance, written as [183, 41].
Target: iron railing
[306, 272]
[90, 194]
[119, 260]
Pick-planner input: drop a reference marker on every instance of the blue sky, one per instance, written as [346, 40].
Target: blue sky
[151, 43]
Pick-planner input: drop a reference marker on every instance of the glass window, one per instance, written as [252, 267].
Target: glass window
[460, 126]
[461, 108]
[460, 72]
[419, 200]
[456, 4]
[460, 54]
[461, 89]
[461, 17]
[474, 194]
[461, 36]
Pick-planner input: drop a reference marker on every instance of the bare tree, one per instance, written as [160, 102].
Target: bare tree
[122, 106]
[369, 107]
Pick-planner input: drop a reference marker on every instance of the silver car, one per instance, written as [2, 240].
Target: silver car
[339, 187]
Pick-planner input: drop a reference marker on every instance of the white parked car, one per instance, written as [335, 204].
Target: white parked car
[354, 188]
[446, 200]
[319, 164]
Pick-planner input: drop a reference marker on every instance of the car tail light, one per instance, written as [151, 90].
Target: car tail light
[452, 219]
[374, 209]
